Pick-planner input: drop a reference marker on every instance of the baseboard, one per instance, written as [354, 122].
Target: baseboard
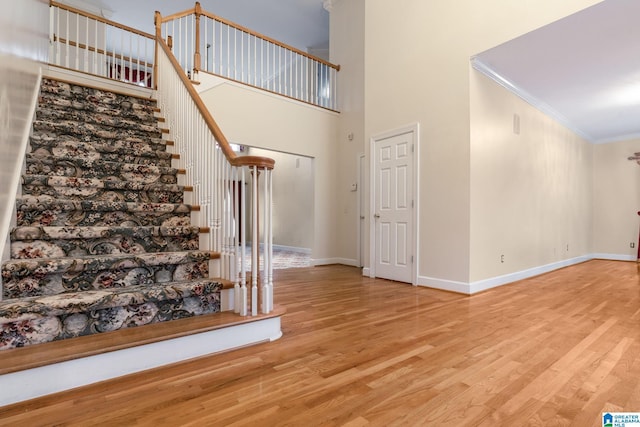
[615, 257]
[329, 261]
[31, 383]
[442, 284]
[366, 271]
[483, 285]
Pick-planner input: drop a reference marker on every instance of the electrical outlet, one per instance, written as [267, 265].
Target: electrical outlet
[632, 245]
[501, 258]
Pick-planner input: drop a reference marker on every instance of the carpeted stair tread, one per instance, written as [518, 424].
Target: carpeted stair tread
[122, 106]
[90, 95]
[89, 168]
[47, 203]
[73, 127]
[86, 150]
[74, 188]
[49, 211]
[54, 233]
[132, 143]
[93, 263]
[58, 242]
[107, 121]
[73, 182]
[15, 310]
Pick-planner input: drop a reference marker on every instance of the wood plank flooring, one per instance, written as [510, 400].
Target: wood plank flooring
[557, 349]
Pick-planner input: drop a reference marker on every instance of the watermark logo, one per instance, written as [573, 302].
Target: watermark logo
[621, 419]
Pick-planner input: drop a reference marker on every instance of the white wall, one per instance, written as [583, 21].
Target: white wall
[531, 192]
[259, 119]
[24, 34]
[616, 200]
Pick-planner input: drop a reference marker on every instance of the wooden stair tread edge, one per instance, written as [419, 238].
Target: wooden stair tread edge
[22, 358]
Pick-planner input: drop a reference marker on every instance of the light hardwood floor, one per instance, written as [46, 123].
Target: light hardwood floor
[558, 349]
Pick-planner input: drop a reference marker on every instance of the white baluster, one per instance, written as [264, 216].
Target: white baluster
[254, 242]
[243, 253]
[270, 228]
[266, 255]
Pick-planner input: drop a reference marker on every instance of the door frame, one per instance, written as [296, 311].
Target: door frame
[413, 128]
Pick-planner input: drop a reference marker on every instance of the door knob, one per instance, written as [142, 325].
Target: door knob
[376, 216]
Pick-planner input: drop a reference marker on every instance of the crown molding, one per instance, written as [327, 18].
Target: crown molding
[480, 66]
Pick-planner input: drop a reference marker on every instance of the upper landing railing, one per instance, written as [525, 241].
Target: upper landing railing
[94, 45]
[204, 42]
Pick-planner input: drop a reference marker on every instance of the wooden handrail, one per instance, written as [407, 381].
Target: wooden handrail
[178, 15]
[100, 19]
[269, 39]
[110, 54]
[197, 10]
[259, 161]
[232, 157]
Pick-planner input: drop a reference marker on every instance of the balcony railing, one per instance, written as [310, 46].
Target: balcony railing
[204, 42]
[94, 45]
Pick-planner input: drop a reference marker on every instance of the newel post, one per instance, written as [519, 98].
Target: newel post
[196, 54]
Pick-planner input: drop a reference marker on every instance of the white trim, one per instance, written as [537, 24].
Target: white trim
[36, 382]
[493, 282]
[445, 285]
[483, 285]
[360, 213]
[614, 257]
[329, 261]
[619, 138]
[410, 128]
[480, 66]
[366, 272]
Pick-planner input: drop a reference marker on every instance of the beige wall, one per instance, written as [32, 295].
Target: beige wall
[292, 198]
[347, 49]
[616, 200]
[417, 70]
[262, 120]
[531, 193]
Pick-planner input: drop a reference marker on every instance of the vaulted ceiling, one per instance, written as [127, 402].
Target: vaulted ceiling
[303, 24]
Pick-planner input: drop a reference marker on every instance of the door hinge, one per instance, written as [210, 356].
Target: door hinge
[412, 148]
[411, 259]
[412, 204]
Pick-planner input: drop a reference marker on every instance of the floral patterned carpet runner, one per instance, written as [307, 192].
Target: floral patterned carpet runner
[103, 239]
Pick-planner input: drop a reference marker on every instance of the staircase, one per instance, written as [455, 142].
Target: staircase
[103, 238]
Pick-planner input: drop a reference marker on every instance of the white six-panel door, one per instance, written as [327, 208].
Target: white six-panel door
[393, 206]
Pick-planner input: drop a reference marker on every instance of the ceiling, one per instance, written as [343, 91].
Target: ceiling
[303, 24]
[583, 70]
